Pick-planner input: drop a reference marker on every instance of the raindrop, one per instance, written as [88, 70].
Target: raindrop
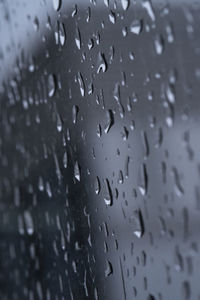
[99, 131]
[142, 180]
[62, 34]
[136, 27]
[65, 160]
[109, 268]
[177, 184]
[59, 123]
[51, 85]
[108, 193]
[28, 222]
[170, 35]
[125, 4]
[159, 44]
[78, 39]
[74, 113]
[56, 4]
[148, 6]
[48, 189]
[112, 17]
[77, 173]
[110, 120]
[81, 84]
[97, 186]
[40, 184]
[101, 63]
[170, 92]
[138, 225]
[120, 177]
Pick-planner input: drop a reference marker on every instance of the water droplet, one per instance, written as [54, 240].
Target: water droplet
[109, 268]
[101, 63]
[170, 92]
[51, 85]
[62, 34]
[56, 4]
[177, 184]
[148, 6]
[108, 193]
[120, 177]
[97, 186]
[109, 121]
[136, 27]
[59, 123]
[48, 189]
[142, 180]
[159, 44]
[112, 17]
[28, 222]
[77, 173]
[65, 160]
[125, 4]
[99, 132]
[40, 184]
[138, 225]
[78, 39]
[74, 113]
[81, 84]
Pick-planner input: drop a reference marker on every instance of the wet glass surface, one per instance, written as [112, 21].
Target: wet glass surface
[99, 149]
